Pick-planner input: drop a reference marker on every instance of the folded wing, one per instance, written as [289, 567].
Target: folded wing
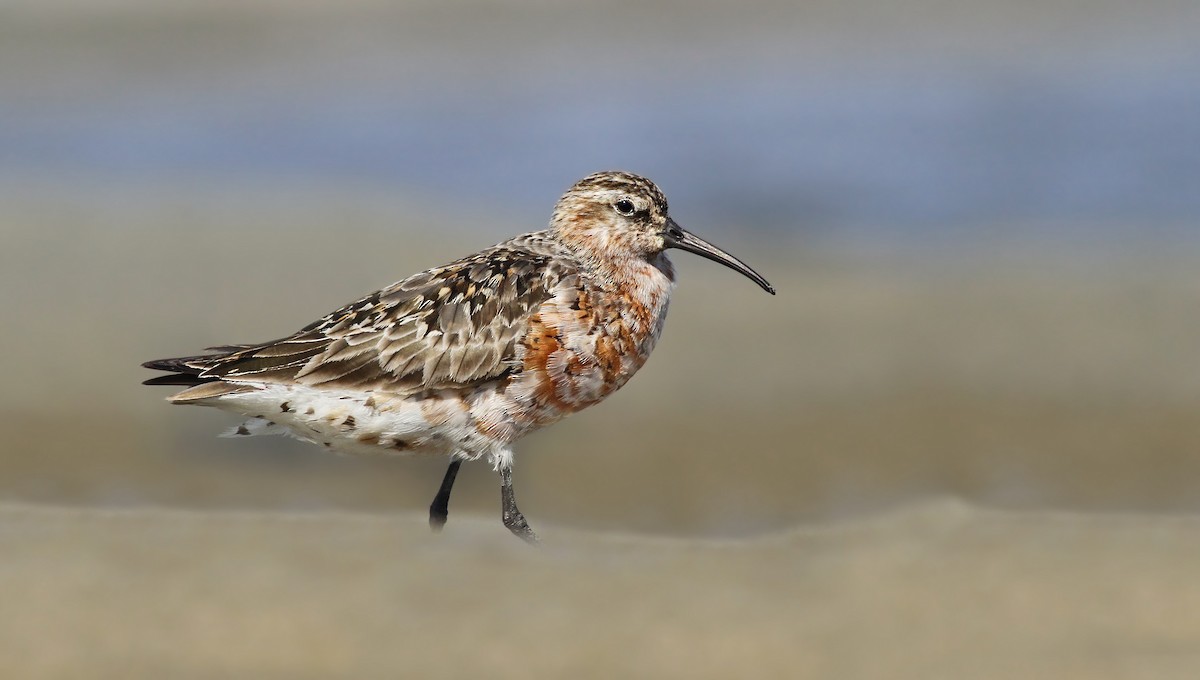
[453, 326]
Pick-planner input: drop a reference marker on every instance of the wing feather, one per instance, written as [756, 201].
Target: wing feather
[451, 326]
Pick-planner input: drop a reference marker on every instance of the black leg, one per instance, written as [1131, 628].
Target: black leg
[513, 519]
[439, 509]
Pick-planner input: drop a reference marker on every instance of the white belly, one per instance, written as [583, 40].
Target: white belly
[363, 423]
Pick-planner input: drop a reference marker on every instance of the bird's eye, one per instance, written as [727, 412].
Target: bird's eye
[624, 206]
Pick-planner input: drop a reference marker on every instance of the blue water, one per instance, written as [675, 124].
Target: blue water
[899, 148]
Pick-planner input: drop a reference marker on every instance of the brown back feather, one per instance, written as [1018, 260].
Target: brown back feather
[452, 326]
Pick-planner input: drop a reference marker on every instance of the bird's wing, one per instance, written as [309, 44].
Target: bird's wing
[452, 326]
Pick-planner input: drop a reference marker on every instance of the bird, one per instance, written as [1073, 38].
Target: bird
[464, 359]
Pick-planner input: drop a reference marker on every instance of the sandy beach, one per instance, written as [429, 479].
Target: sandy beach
[935, 590]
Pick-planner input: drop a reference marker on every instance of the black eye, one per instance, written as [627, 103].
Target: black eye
[624, 206]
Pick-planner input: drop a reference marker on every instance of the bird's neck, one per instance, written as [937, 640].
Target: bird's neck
[634, 274]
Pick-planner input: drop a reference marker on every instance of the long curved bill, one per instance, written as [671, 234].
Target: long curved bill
[676, 237]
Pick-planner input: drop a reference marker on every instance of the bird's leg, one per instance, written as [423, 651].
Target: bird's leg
[439, 509]
[513, 519]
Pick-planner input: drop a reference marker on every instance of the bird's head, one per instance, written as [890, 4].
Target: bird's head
[614, 215]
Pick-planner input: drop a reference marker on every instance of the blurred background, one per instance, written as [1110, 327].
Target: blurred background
[981, 219]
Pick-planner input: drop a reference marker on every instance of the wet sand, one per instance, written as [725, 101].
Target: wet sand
[936, 590]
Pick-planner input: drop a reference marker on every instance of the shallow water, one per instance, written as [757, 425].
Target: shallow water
[765, 125]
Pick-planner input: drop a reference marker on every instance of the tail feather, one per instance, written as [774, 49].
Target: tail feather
[187, 370]
[176, 379]
[183, 370]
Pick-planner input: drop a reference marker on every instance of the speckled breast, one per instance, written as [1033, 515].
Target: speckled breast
[586, 342]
